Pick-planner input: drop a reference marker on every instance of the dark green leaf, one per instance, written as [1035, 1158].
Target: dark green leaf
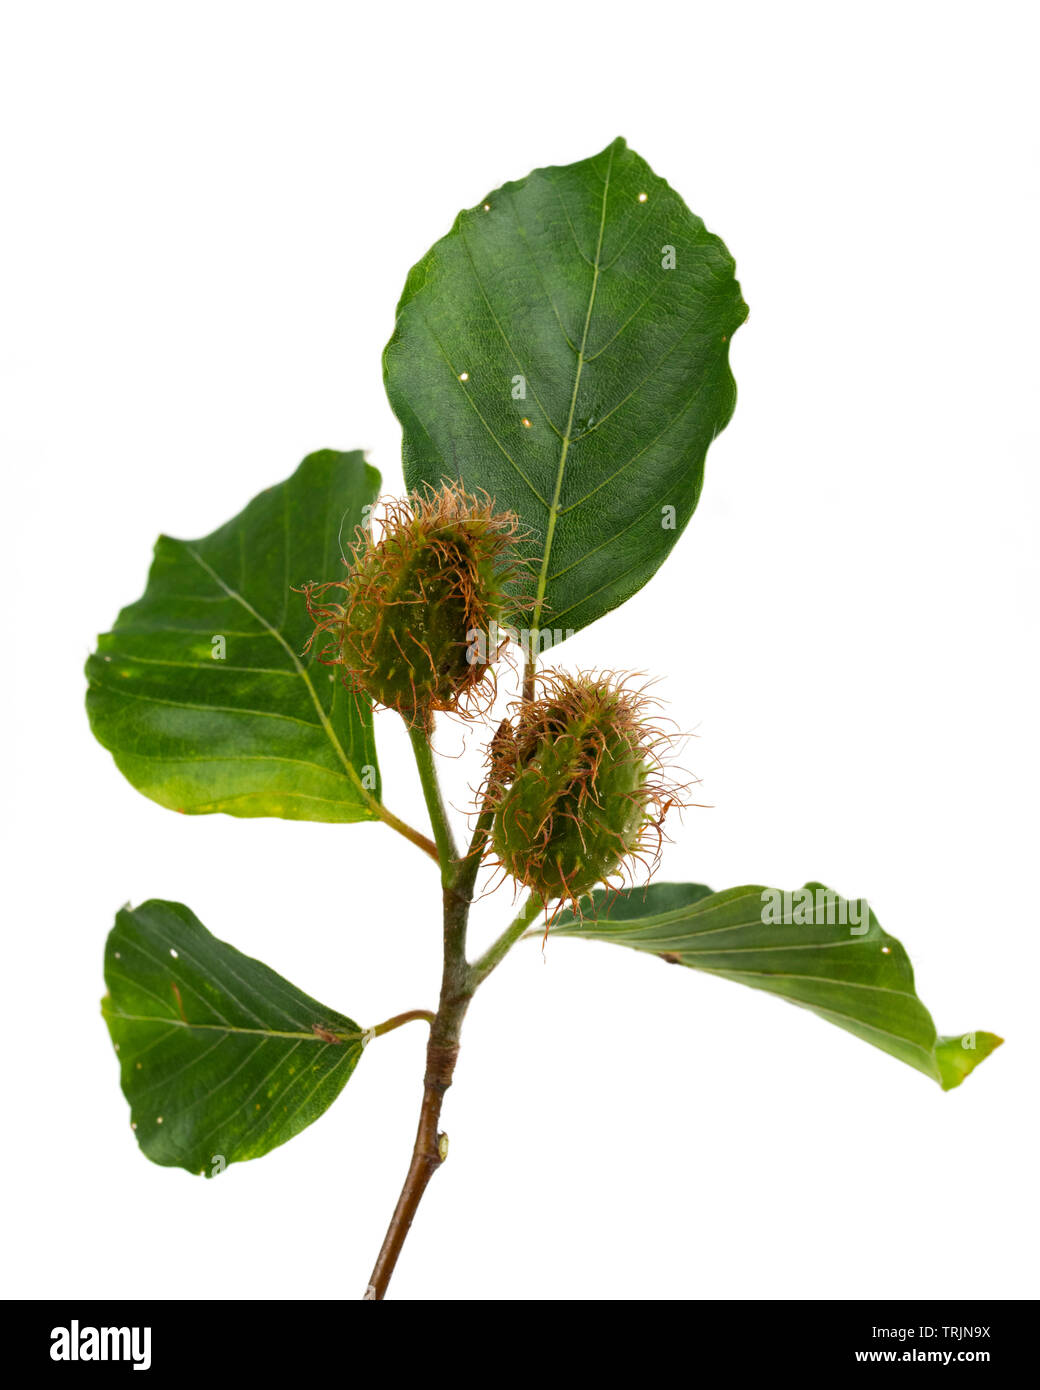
[245, 724]
[560, 279]
[828, 955]
[220, 1058]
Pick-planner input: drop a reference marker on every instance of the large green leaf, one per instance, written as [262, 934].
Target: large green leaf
[247, 725]
[826, 954]
[220, 1058]
[565, 279]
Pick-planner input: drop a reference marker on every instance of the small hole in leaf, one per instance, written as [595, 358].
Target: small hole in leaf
[464, 376]
[643, 197]
[173, 953]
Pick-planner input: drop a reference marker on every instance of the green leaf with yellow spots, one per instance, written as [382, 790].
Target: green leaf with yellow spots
[220, 1058]
[565, 348]
[202, 691]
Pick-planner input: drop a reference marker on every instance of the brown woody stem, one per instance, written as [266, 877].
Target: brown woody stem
[459, 982]
[530, 667]
[441, 1054]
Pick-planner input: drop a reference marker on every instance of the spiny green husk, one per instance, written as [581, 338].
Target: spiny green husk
[576, 785]
[420, 604]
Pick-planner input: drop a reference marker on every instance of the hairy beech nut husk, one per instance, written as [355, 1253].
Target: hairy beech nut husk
[577, 785]
[421, 604]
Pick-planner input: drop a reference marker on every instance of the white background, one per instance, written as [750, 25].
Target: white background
[209, 211]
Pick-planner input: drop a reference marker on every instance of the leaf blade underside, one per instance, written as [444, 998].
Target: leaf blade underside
[852, 974]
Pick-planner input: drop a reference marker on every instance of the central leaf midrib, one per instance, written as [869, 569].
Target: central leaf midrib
[233, 1028]
[566, 441]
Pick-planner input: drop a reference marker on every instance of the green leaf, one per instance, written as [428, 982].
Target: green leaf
[560, 279]
[817, 950]
[246, 725]
[220, 1058]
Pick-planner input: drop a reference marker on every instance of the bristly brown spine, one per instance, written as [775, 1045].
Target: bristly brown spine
[420, 603]
[578, 785]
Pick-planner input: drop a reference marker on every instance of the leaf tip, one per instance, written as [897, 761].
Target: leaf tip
[958, 1054]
